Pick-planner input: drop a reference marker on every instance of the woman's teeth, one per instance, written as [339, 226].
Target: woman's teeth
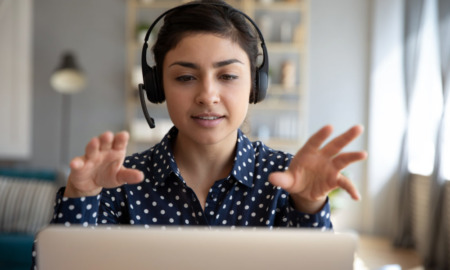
[208, 117]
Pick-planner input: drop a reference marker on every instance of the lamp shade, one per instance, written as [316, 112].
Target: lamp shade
[68, 77]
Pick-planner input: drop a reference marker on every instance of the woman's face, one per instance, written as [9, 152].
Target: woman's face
[207, 86]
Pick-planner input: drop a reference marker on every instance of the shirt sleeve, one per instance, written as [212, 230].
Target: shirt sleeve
[82, 210]
[320, 220]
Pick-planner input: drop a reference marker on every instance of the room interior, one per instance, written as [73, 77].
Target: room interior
[351, 69]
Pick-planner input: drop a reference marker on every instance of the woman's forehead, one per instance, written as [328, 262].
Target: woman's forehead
[207, 46]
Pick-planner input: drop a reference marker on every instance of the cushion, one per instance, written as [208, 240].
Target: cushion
[25, 205]
[15, 251]
[41, 175]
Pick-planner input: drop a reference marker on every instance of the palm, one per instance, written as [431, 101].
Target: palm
[101, 166]
[315, 171]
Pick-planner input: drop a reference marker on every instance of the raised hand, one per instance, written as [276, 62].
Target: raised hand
[315, 171]
[101, 166]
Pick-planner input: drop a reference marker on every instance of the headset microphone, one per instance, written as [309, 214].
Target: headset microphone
[150, 120]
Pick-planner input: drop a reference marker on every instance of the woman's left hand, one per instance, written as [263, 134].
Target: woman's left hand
[315, 171]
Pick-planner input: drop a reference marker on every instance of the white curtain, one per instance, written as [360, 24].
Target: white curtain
[409, 125]
[413, 15]
[438, 253]
[425, 150]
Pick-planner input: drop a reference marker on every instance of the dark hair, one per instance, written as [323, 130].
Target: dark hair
[210, 16]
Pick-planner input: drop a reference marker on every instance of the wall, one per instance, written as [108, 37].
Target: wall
[338, 83]
[95, 31]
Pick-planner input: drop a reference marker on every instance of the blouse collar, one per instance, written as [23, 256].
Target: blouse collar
[243, 167]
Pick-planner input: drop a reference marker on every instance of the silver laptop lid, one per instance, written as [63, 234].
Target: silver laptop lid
[188, 248]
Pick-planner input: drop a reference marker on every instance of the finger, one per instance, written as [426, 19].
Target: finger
[120, 141]
[283, 180]
[106, 140]
[344, 159]
[130, 176]
[317, 139]
[76, 163]
[335, 146]
[348, 186]
[92, 148]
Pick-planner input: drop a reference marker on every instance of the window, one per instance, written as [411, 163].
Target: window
[427, 101]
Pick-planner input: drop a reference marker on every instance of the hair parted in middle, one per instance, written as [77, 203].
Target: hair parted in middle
[209, 16]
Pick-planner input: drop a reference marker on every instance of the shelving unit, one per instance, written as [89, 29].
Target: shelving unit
[280, 120]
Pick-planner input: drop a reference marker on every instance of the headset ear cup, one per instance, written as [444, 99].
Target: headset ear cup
[148, 82]
[155, 93]
[262, 83]
[254, 90]
[158, 89]
[262, 72]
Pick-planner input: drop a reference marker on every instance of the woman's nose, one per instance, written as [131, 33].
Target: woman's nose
[208, 93]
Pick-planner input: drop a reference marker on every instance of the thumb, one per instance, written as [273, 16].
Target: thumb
[284, 180]
[130, 176]
[76, 163]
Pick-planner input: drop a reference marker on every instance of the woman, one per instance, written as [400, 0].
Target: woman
[207, 80]
[205, 171]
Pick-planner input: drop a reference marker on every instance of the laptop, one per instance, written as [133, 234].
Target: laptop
[133, 247]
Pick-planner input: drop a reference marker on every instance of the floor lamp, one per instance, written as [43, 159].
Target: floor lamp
[67, 79]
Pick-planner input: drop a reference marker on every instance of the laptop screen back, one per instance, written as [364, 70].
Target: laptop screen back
[192, 248]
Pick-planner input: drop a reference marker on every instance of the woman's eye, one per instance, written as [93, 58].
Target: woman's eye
[228, 77]
[185, 78]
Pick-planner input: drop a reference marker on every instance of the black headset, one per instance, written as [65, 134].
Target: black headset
[152, 85]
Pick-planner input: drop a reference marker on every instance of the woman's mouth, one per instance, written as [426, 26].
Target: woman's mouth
[208, 117]
[208, 120]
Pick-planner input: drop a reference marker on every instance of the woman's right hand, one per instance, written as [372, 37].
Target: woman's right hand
[101, 166]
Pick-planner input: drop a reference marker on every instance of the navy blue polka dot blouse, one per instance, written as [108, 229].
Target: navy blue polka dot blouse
[244, 198]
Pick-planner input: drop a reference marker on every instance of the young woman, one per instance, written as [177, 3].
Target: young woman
[205, 171]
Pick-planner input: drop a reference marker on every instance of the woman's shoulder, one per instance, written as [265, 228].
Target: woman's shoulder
[262, 152]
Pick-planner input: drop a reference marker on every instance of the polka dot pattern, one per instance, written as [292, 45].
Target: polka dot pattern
[244, 198]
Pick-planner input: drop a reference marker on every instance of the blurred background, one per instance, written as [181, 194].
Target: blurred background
[382, 64]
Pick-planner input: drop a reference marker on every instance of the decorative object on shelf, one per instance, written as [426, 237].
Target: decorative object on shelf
[299, 34]
[67, 79]
[286, 32]
[265, 25]
[288, 74]
[266, 1]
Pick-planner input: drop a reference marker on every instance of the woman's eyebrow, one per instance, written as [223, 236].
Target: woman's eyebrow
[226, 62]
[184, 64]
[215, 65]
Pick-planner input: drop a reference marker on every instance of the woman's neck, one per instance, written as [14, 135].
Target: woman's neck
[201, 165]
[214, 159]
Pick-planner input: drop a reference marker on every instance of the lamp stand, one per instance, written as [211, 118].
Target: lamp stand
[65, 131]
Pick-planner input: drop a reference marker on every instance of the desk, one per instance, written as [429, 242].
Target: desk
[377, 253]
